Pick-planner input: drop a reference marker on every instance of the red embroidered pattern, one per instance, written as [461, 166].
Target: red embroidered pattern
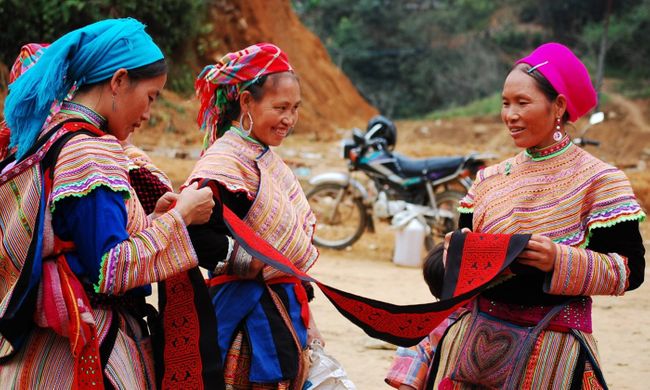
[181, 324]
[483, 256]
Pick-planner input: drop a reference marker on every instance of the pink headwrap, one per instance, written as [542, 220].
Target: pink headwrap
[232, 74]
[567, 74]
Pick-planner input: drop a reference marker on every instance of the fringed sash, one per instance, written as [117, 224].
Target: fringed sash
[64, 307]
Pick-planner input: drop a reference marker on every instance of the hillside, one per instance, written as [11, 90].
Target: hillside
[330, 99]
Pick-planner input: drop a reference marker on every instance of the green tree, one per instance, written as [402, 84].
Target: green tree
[413, 56]
[172, 23]
[409, 57]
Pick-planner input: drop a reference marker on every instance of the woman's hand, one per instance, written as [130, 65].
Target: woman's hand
[447, 241]
[164, 204]
[539, 253]
[195, 205]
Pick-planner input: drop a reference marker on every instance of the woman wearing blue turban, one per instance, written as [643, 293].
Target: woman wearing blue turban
[78, 252]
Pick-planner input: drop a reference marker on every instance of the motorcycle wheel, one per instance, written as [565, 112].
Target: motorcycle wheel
[341, 217]
[447, 200]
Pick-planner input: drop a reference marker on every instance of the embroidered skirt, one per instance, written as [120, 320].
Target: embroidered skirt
[555, 360]
[45, 361]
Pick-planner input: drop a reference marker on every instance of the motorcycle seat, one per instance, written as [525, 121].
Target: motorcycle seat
[411, 167]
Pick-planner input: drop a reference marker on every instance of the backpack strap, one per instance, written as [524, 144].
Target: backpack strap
[40, 149]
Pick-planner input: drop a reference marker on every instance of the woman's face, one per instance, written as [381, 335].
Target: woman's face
[133, 102]
[276, 113]
[527, 112]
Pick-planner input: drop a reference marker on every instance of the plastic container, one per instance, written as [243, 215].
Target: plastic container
[409, 244]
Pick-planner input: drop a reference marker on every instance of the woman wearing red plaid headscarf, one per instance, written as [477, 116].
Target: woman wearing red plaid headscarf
[250, 102]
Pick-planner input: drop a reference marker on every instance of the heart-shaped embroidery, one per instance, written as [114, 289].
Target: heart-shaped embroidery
[489, 354]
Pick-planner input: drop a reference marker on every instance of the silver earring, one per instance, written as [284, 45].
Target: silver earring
[113, 102]
[557, 135]
[241, 123]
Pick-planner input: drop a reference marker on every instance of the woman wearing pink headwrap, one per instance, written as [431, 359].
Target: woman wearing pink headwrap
[533, 328]
[249, 103]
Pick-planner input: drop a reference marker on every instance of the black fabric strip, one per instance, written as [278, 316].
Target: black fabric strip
[282, 338]
[579, 370]
[208, 345]
[454, 257]
[158, 335]
[106, 347]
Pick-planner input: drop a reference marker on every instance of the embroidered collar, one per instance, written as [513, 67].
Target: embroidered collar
[550, 151]
[88, 114]
[247, 137]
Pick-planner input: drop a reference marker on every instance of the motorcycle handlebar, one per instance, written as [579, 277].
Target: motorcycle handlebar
[586, 141]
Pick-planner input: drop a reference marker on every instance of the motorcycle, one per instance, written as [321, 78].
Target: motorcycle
[396, 187]
[594, 119]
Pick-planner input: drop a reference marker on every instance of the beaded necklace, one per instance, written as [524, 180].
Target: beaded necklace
[88, 114]
[555, 149]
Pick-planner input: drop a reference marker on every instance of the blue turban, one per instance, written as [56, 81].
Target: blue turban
[83, 56]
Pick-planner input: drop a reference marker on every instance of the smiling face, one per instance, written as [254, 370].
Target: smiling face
[276, 113]
[527, 111]
[133, 100]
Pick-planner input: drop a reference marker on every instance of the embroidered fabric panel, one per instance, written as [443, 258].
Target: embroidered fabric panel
[280, 212]
[563, 197]
[282, 216]
[183, 362]
[17, 226]
[585, 272]
[480, 264]
[86, 162]
[151, 255]
[230, 161]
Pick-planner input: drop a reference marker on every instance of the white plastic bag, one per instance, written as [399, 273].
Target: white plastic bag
[326, 373]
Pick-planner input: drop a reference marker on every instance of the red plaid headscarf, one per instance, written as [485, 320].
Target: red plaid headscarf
[217, 84]
[28, 56]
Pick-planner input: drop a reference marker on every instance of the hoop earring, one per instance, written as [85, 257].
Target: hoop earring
[557, 135]
[241, 123]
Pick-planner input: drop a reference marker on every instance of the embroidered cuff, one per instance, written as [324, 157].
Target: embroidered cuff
[585, 272]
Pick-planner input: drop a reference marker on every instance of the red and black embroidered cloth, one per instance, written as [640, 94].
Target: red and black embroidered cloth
[473, 261]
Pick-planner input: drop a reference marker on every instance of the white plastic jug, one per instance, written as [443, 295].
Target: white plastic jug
[409, 244]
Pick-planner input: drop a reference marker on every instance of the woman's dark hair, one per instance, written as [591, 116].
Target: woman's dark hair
[433, 270]
[232, 110]
[151, 70]
[544, 85]
[140, 73]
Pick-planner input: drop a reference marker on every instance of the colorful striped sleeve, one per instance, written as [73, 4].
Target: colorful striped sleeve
[154, 254]
[585, 272]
